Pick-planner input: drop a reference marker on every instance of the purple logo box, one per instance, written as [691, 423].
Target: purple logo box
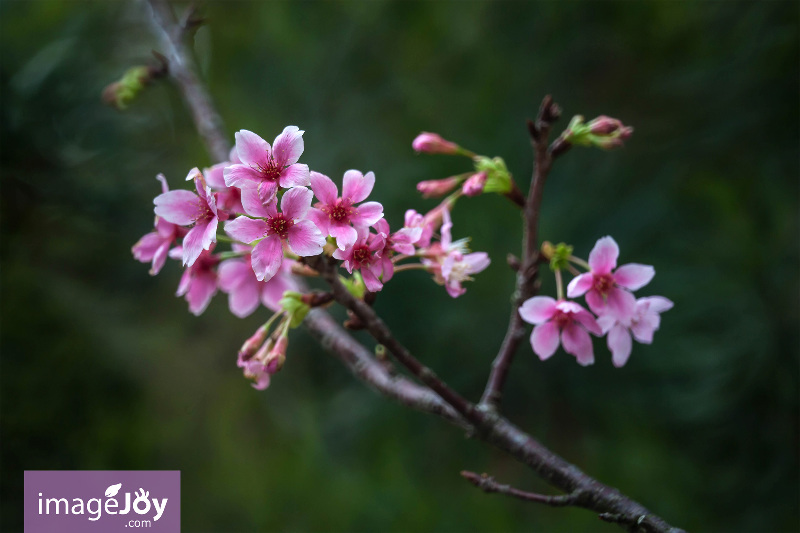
[108, 501]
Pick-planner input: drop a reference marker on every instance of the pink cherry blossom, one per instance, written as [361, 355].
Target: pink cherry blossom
[560, 322]
[245, 292]
[645, 321]
[290, 225]
[414, 220]
[199, 281]
[228, 198]
[266, 167]
[334, 215]
[185, 208]
[433, 143]
[605, 288]
[437, 188]
[155, 245]
[365, 255]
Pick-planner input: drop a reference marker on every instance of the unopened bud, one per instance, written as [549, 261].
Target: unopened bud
[252, 344]
[438, 188]
[498, 178]
[121, 93]
[603, 132]
[475, 184]
[433, 143]
[277, 356]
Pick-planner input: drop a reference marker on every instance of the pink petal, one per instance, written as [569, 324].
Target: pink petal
[203, 288]
[184, 283]
[537, 310]
[477, 262]
[544, 340]
[180, 207]
[210, 234]
[193, 244]
[296, 175]
[305, 239]
[324, 188]
[272, 291]
[252, 149]
[644, 329]
[454, 288]
[367, 214]
[288, 146]
[621, 304]
[587, 320]
[634, 276]
[577, 342]
[246, 229]
[296, 202]
[260, 201]
[382, 227]
[603, 257]
[320, 219]
[145, 249]
[596, 302]
[163, 180]
[657, 304]
[371, 281]
[232, 273]
[266, 257]
[619, 342]
[344, 234]
[215, 176]
[160, 258]
[357, 186]
[241, 176]
[387, 265]
[244, 299]
[606, 322]
[579, 285]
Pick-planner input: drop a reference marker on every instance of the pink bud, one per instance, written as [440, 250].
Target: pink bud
[604, 125]
[475, 184]
[252, 344]
[433, 143]
[277, 356]
[437, 188]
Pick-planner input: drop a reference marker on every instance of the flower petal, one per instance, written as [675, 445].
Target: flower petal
[203, 288]
[244, 299]
[260, 201]
[324, 188]
[619, 342]
[544, 340]
[579, 285]
[180, 207]
[596, 302]
[577, 342]
[288, 146]
[241, 176]
[537, 310]
[296, 175]
[193, 244]
[371, 281]
[367, 214]
[657, 304]
[266, 258]
[477, 262]
[232, 273]
[305, 239]
[344, 234]
[252, 149]
[320, 219]
[587, 320]
[621, 304]
[296, 202]
[603, 257]
[246, 229]
[634, 276]
[357, 186]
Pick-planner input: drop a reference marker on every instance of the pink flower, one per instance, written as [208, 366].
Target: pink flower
[402, 241]
[245, 292]
[199, 281]
[264, 167]
[255, 370]
[606, 289]
[433, 143]
[155, 245]
[437, 188]
[365, 255]
[185, 208]
[414, 220]
[475, 184]
[290, 225]
[645, 321]
[228, 198]
[334, 215]
[560, 322]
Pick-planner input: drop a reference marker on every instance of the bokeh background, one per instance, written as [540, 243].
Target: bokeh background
[103, 368]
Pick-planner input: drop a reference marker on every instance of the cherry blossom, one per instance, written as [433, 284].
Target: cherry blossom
[245, 292]
[334, 215]
[560, 322]
[365, 255]
[228, 198]
[155, 245]
[645, 321]
[199, 281]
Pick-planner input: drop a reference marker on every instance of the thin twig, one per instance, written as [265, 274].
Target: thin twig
[526, 275]
[487, 484]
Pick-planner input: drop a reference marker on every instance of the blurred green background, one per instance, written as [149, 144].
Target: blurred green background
[103, 368]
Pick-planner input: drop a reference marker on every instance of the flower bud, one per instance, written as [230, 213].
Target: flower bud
[475, 184]
[498, 178]
[252, 344]
[437, 188]
[603, 132]
[121, 93]
[277, 356]
[432, 143]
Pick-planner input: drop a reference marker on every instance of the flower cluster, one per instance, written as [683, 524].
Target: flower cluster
[263, 201]
[608, 292]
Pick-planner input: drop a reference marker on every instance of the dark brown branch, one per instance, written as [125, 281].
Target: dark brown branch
[526, 275]
[487, 484]
[489, 426]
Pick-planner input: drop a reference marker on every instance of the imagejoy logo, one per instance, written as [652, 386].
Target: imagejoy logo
[69, 501]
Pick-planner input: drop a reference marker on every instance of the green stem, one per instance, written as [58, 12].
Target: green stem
[559, 285]
[412, 266]
[579, 261]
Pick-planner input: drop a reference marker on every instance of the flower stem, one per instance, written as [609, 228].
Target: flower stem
[225, 238]
[231, 255]
[580, 262]
[559, 285]
[410, 266]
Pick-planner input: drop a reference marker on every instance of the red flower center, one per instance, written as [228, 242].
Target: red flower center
[271, 172]
[361, 254]
[279, 225]
[603, 283]
[562, 319]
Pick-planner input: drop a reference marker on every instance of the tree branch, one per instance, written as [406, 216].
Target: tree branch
[487, 484]
[526, 285]
[488, 425]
